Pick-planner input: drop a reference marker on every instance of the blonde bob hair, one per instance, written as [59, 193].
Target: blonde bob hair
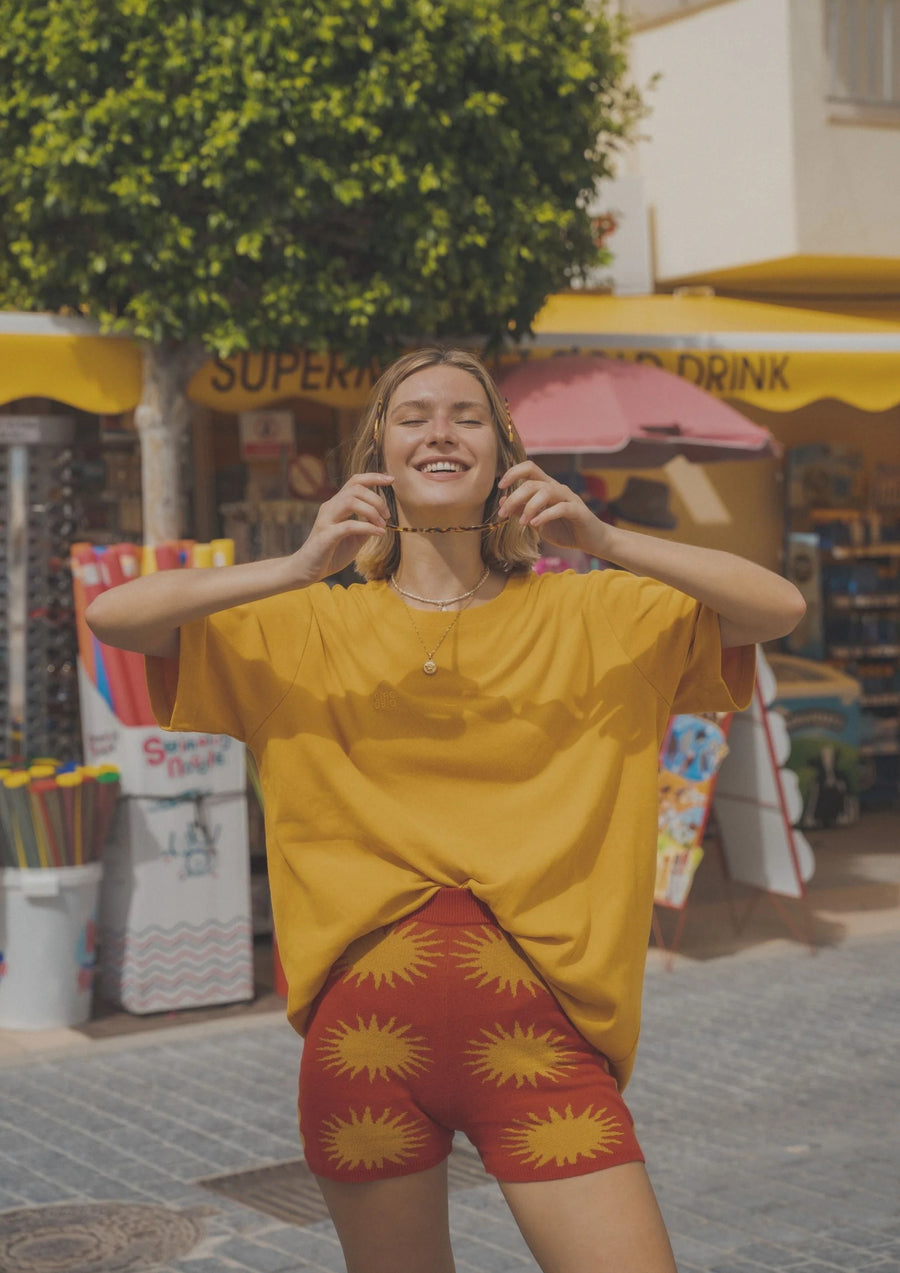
[510, 547]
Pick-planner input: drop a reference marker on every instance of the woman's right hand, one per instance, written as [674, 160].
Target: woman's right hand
[356, 512]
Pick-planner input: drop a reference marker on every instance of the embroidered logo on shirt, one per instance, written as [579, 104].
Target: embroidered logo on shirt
[385, 698]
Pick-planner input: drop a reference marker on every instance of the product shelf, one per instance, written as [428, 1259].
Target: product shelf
[864, 651]
[880, 700]
[880, 747]
[876, 601]
[848, 552]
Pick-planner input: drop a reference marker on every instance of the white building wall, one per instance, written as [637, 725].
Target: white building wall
[718, 165]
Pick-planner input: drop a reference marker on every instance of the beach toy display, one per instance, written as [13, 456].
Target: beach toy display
[119, 674]
[54, 822]
[174, 926]
[55, 816]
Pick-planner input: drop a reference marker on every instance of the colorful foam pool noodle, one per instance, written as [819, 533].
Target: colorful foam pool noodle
[129, 661]
[81, 555]
[222, 552]
[114, 659]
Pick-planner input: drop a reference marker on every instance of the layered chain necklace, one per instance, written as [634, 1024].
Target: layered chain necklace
[429, 667]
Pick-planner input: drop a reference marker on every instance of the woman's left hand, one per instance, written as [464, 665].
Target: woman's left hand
[554, 510]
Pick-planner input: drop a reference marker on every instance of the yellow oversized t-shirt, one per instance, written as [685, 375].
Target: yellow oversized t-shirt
[524, 770]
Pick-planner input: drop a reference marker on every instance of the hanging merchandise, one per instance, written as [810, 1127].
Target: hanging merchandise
[689, 760]
[38, 686]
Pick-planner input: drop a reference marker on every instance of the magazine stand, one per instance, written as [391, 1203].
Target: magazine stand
[692, 753]
[747, 807]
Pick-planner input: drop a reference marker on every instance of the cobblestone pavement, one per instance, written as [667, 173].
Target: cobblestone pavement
[767, 1097]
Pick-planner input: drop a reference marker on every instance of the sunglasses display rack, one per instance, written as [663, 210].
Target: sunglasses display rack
[39, 706]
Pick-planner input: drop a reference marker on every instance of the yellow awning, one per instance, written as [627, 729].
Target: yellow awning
[803, 275]
[42, 356]
[774, 356]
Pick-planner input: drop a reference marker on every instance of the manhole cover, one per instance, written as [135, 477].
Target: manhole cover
[288, 1191]
[96, 1237]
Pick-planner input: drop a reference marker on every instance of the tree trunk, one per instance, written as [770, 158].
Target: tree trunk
[162, 418]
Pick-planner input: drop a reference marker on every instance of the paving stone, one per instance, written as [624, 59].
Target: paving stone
[256, 1255]
[740, 1097]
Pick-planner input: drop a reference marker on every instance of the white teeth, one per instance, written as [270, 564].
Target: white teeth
[442, 466]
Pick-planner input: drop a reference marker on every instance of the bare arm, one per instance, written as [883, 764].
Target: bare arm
[753, 604]
[146, 614]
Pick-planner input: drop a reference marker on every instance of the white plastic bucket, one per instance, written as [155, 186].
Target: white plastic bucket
[48, 921]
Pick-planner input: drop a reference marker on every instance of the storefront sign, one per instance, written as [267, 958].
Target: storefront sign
[250, 379]
[36, 430]
[266, 435]
[723, 373]
[777, 379]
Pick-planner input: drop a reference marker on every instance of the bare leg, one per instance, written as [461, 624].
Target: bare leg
[388, 1225]
[605, 1222]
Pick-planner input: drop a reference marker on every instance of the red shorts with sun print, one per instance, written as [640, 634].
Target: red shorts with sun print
[439, 1023]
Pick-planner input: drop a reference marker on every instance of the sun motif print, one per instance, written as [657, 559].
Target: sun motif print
[381, 1050]
[405, 952]
[363, 1140]
[440, 1024]
[563, 1137]
[487, 957]
[521, 1055]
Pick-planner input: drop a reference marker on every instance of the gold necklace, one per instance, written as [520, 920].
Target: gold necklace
[429, 667]
[442, 605]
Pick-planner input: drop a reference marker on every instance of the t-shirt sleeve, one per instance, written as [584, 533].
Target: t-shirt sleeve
[232, 669]
[676, 644]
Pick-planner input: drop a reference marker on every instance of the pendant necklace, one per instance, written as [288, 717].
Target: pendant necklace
[429, 667]
[441, 605]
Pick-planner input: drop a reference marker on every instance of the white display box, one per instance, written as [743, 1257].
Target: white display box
[175, 912]
[175, 922]
[152, 761]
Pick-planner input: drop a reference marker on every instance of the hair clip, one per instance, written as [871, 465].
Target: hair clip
[509, 422]
[378, 410]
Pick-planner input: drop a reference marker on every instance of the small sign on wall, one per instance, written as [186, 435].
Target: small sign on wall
[266, 435]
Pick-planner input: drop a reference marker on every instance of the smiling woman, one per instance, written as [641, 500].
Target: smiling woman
[488, 812]
[471, 404]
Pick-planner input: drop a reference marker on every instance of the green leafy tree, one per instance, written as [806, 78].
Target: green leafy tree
[215, 175]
